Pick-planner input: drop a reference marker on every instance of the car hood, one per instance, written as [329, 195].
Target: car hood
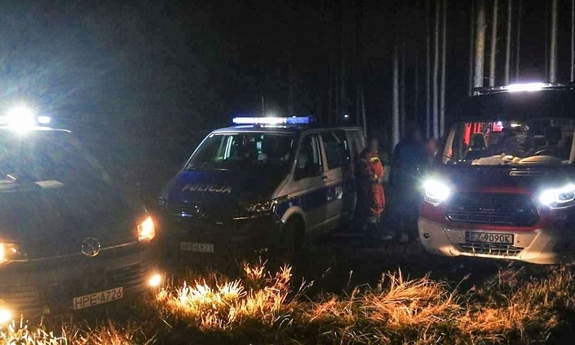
[505, 180]
[223, 190]
[52, 218]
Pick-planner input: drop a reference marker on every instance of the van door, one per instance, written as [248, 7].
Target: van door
[339, 175]
[356, 144]
[308, 184]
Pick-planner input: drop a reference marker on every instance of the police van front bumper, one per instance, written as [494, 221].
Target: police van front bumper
[233, 236]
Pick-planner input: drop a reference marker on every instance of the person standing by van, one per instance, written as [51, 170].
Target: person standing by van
[432, 147]
[371, 197]
[410, 160]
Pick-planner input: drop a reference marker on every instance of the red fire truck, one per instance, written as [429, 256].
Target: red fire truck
[503, 183]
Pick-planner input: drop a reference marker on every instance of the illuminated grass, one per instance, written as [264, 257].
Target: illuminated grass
[264, 307]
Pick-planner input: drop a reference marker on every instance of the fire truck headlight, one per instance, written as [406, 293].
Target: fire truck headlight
[556, 198]
[435, 192]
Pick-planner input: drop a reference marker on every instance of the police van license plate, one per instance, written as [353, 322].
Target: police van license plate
[197, 247]
[97, 298]
[484, 237]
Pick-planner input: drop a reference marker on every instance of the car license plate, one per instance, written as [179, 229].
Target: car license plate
[197, 247]
[484, 237]
[97, 298]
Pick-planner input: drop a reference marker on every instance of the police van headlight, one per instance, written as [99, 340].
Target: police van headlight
[10, 252]
[436, 192]
[146, 230]
[261, 207]
[556, 198]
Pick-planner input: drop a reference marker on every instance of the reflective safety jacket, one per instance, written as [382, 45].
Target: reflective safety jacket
[369, 178]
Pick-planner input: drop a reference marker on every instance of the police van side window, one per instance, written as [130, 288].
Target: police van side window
[308, 162]
[337, 149]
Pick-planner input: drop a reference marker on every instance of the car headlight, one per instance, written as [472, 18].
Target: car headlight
[558, 197]
[10, 252]
[146, 230]
[436, 192]
[262, 207]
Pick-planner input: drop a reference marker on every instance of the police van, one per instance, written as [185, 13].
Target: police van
[264, 183]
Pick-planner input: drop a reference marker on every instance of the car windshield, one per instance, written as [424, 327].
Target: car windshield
[543, 141]
[45, 155]
[239, 150]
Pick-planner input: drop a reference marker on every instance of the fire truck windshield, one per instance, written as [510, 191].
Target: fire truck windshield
[542, 141]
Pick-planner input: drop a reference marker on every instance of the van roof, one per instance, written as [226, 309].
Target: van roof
[282, 129]
[36, 129]
[500, 105]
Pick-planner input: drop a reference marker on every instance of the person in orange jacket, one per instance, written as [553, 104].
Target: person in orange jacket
[371, 197]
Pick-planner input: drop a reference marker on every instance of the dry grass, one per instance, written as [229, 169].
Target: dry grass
[509, 307]
[264, 307]
[109, 333]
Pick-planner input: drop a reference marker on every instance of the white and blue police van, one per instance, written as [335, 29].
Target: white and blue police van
[264, 183]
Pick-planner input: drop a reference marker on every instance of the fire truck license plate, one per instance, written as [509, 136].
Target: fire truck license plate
[97, 298]
[484, 237]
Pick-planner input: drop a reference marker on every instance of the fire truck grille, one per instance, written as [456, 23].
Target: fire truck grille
[490, 249]
[497, 209]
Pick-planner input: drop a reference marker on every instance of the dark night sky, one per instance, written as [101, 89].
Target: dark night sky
[151, 75]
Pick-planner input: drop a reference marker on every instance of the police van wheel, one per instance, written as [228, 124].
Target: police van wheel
[291, 242]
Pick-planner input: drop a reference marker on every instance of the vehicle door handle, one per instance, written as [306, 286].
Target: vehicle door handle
[324, 177]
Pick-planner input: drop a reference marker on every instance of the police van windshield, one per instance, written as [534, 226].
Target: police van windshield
[45, 155]
[542, 141]
[232, 151]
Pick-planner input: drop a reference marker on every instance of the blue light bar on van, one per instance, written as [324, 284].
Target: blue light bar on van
[295, 120]
[22, 118]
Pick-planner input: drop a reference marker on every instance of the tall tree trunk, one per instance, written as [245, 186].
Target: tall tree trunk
[471, 46]
[443, 68]
[518, 49]
[436, 69]
[330, 94]
[402, 112]
[553, 50]
[395, 119]
[572, 40]
[547, 40]
[508, 41]
[416, 84]
[428, 71]
[363, 115]
[343, 96]
[359, 59]
[479, 44]
[337, 93]
[493, 54]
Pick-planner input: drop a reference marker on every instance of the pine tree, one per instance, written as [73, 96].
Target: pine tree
[493, 54]
[479, 43]
[553, 49]
[508, 41]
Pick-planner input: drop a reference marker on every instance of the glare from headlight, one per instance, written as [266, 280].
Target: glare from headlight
[558, 197]
[21, 119]
[11, 252]
[436, 192]
[5, 316]
[155, 280]
[146, 230]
